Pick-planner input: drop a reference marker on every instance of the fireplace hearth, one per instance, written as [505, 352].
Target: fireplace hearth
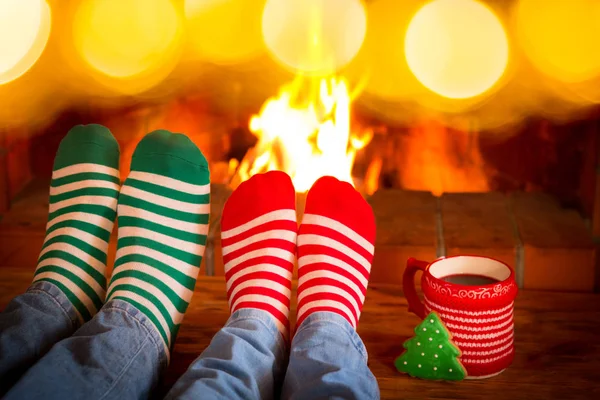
[527, 215]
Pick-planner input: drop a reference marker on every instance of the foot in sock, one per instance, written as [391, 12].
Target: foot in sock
[163, 216]
[335, 250]
[258, 238]
[83, 201]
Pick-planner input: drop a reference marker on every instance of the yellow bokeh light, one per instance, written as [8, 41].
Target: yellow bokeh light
[314, 36]
[381, 62]
[561, 38]
[225, 31]
[456, 48]
[24, 31]
[128, 38]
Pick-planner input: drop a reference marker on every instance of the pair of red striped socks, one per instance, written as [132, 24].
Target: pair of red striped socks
[333, 245]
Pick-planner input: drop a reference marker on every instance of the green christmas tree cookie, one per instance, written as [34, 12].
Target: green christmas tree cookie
[430, 354]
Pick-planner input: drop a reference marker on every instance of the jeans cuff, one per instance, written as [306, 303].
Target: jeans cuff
[146, 324]
[327, 318]
[266, 319]
[61, 300]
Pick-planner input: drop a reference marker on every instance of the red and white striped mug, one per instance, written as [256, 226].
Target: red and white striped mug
[474, 297]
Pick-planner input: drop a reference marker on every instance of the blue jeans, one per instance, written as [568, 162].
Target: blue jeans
[118, 354]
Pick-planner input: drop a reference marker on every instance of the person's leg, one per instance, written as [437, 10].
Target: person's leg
[69, 282]
[246, 359]
[163, 220]
[335, 250]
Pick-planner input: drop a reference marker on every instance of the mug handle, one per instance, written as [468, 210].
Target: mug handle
[408, 285]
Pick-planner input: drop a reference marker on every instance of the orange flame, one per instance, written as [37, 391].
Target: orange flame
[441, 160]
[372, 175]
[305, 131]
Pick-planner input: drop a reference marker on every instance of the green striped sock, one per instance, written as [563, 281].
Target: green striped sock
[163, 222]
[83, 203]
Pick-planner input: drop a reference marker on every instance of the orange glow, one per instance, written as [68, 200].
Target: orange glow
[225, 32]
[131, 45]
[561, 37]
[440, 160]
[372, 175]
[381, 60]
[305, 131]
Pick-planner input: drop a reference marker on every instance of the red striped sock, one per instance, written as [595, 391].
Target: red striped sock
[335, 250]
[258, 237]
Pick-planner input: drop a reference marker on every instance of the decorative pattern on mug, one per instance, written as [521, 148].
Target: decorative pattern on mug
[480, 293]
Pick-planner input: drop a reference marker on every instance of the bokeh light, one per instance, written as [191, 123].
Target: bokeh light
[314, 36]
[561, 38]
[24, 31]
[225, 31]
[381, 62]
[126, 39]
[456, 48]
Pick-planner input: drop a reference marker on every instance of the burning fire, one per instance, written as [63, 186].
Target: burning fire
[305, 131]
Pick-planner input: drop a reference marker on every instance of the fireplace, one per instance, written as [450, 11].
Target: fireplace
[518, 185]
[435, 191]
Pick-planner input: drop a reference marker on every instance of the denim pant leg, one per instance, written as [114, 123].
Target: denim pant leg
[328, 360]
[29, 326]
[118, 354]
[245, 360]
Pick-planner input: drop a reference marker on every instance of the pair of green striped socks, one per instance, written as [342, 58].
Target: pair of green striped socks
[163, 211]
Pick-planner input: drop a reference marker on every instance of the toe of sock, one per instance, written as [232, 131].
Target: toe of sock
[88, 144]
[339, 200]
[177, 145]
[260, 194]
[173, 155]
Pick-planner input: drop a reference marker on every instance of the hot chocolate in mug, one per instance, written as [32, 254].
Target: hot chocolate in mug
[474, 297]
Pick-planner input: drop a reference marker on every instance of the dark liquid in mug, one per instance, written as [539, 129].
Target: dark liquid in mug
[469, 280]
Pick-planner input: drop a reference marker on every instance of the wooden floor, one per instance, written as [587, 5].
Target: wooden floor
[557, 342]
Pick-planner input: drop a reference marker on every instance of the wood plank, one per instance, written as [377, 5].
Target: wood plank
[406, 227]
[19, 165]
[20, 250]
[22, 229]
[29, 210]
[4, 198]
[557, 342]
[559, 253]
[213, 259]
[480, 224]
[15, 165]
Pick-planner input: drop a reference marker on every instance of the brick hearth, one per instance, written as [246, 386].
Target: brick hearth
[549, 247]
